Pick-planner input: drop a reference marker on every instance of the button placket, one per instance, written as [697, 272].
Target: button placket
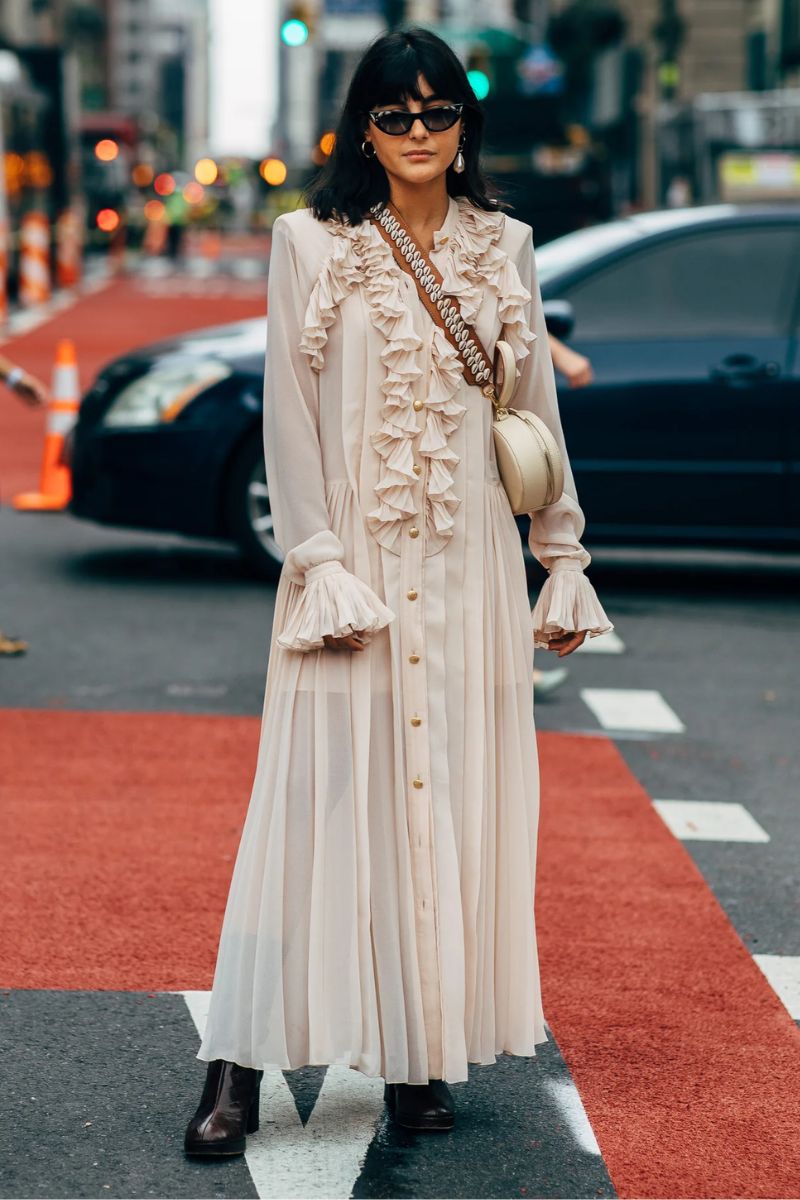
[418, 769]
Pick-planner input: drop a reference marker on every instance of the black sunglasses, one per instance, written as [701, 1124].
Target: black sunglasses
[399, 120]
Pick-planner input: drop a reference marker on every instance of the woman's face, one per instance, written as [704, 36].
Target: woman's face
[419, 155]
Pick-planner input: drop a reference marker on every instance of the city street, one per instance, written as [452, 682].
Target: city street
[668, 905]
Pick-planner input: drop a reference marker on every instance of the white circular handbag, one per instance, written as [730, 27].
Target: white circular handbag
[528, 458]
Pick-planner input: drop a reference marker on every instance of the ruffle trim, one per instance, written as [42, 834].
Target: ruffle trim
[474, 261]
[335, 602]
[567, 603]
[361, 256]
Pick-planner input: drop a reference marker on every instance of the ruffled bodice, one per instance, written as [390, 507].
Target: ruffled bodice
[467, 253]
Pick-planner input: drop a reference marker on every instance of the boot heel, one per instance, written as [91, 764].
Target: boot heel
[388, 1096]
[252, 1116]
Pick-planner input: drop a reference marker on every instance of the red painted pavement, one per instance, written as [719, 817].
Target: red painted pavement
[119, 836]
[110, 322]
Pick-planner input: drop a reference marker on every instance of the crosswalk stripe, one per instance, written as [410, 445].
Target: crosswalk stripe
[783, 974]
[568, 1100]
[710, 821]
[323, 1158]
[631, 708]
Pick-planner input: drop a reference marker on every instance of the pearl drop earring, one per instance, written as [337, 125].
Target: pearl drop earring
[459, 164]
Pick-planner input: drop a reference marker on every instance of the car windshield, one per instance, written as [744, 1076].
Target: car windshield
[576, 249]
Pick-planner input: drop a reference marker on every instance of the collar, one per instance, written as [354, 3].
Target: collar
[442, 236]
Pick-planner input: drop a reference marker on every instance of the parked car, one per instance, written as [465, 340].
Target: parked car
[169, 439]
[688, 436]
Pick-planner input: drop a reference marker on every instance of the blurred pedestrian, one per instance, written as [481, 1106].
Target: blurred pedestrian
[380, 914]
[33, 392]
[27, 387]
[576, 368]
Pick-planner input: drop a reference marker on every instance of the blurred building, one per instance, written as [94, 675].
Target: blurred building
[158, 57]
[688, 82]
[88, 89]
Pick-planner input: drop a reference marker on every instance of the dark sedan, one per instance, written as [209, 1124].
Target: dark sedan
[689, 434]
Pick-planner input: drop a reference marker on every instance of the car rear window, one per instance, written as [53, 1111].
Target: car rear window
[737, 281]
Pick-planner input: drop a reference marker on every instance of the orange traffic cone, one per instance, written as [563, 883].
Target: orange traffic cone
[55, 488]
[68, 248]
[34, 259]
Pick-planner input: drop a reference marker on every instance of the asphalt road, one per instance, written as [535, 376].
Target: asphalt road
[127, 623]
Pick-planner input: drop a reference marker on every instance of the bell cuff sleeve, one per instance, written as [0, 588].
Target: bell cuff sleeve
[567, 603]
[335, 602]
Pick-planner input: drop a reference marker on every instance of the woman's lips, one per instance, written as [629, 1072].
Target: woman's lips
[419, 154]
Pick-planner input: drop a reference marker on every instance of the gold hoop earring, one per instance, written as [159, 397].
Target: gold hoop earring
[364, 145]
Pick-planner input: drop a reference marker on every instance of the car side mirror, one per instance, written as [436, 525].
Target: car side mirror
[560, 318]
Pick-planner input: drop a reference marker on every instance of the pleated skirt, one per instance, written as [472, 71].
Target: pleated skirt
[318, 960]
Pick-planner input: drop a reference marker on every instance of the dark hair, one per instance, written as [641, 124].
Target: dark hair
[350, 183]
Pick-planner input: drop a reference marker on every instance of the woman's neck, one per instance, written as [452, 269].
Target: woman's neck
[423, 208]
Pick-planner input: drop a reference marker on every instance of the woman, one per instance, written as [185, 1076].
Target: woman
[380, 914]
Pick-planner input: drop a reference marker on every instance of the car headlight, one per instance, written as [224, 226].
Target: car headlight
[157, 397]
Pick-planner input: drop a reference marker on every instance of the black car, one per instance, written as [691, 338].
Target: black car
[688, 436]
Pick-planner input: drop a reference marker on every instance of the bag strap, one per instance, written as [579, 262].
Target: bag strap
[479, 369]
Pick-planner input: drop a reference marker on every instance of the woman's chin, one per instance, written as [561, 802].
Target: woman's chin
[420, 171]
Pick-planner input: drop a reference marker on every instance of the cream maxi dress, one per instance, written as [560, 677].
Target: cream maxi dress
[381, 911]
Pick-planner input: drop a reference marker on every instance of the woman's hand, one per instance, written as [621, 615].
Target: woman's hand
[31, 391]
[350, 641]
[576, 368]
[565, 643]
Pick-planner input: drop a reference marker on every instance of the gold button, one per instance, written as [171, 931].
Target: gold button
[413, 531]
[413, 658]
[418, 783]
[418, 404]
[417, 469]
[416, 720]
[412, 595]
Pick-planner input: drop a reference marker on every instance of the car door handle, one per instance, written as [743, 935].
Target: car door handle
[744, 368]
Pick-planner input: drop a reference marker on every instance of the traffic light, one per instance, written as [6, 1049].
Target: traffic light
[297, 25]
[478, 72]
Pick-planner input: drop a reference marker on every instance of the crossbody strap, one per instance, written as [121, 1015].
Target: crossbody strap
[445, 310]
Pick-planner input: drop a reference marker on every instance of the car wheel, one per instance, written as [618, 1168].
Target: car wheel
[248, 513]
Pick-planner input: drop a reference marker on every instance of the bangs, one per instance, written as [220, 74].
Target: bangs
[397, 81]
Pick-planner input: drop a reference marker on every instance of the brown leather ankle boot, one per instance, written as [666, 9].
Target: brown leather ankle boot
[228, 1110]
[421, 1106]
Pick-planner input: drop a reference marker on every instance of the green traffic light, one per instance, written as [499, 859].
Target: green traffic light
[479, 82]
[294, 32]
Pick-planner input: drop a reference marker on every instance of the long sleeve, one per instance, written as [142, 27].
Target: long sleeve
[567, 601]
[332, 600]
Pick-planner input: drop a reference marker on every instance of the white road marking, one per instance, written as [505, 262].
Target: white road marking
[568, 1100]
[604, 643]
[710, 821]
[327, 1156]
[197, 1003]
[196, 689]
[629, 708]
[783, 974]
[323, 1158]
